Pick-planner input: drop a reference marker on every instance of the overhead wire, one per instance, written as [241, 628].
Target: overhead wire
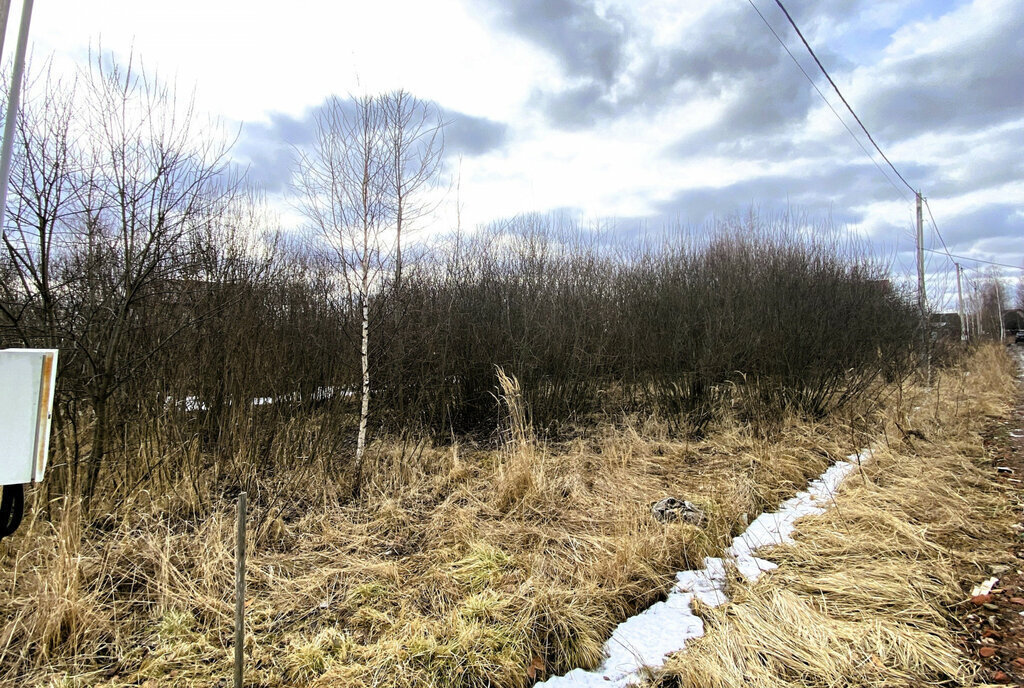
[829, 103]
[976, 260]
[840, 93]
[846, 103]
[936, 227]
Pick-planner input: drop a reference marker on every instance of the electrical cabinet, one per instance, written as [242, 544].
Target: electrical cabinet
[27, 380]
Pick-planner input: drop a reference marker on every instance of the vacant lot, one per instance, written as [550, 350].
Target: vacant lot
[458, 565]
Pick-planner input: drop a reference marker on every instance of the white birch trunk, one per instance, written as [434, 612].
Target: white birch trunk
[365, 410]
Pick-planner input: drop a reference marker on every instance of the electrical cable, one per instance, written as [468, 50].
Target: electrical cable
[840, 93]
[828, 103]
[936, 227]
[977, 260]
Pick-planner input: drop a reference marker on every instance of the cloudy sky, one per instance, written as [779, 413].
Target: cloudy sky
[639, 111]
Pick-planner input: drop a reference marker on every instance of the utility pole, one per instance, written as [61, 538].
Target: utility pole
[921, 304]
[960, 305]
[12, 101]
[999, 308]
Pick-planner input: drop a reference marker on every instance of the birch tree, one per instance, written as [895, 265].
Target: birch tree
[414, 142]
[360, 184]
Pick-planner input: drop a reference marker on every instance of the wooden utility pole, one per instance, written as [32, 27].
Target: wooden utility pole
[999, 307]
[960, 305]
[921, 304]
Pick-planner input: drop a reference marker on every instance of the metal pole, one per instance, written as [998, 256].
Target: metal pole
[240, 591]
[960, 305]
[5, 10]
[12, 108]
[921, 303]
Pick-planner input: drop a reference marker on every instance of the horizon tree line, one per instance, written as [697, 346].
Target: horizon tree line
[199, 339]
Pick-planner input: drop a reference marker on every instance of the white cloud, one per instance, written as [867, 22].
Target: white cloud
[251, 59]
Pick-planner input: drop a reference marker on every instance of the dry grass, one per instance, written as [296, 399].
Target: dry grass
[867, 595]
[458, 566]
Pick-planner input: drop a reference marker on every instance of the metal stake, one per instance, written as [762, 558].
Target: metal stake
[240, 591]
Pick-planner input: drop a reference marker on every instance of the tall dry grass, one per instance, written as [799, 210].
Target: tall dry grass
[460, 565]
[868, 595]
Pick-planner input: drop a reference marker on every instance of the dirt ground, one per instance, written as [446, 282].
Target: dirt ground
[995, 621]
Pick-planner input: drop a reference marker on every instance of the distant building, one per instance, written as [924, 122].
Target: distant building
[944, 325]
[1013, 320]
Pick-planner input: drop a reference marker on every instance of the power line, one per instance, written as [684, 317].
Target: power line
[936, 227]
[977, 260]
[867, 133]
[840, 93]
[828, 103]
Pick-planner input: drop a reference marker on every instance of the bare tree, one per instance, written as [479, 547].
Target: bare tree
[43, 206]
[360, 184]
[343, 181]
[110, 182]
[45, 185]
[414, 139]
[155, 179]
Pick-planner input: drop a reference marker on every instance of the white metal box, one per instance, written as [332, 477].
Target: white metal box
[27, 380]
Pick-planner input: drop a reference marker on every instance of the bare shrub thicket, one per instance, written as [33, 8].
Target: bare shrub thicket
[202, 350]
[128, 247]
[751, 313]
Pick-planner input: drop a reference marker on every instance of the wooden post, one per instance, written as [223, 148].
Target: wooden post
[240, 591]
[960, 305]
[921, 299]
[999, 307]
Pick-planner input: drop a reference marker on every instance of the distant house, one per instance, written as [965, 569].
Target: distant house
[944, 325]
[1013, 320]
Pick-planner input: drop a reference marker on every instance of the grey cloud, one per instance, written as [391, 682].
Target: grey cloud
[270, 164]
[586, 42]
[835, 191]
[727, 50]
[468, 135]
[975, 82]
[998, 225]
[973, 164]
[269, 146]
[269, 152]
[288, 129]
[578, 107]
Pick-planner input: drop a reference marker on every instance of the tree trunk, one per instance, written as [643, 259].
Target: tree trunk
[96, 452]
[364, 412]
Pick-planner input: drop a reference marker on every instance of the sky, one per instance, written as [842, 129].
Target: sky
[635, 113]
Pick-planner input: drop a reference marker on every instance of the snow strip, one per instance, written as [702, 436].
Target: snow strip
[663, 628]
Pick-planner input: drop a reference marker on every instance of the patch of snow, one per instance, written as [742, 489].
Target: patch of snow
[194, 404]
[323, 393]
[663, 628]
[190, 403]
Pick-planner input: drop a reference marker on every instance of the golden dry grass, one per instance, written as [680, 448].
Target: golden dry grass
[458, 565]
[867, 595]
